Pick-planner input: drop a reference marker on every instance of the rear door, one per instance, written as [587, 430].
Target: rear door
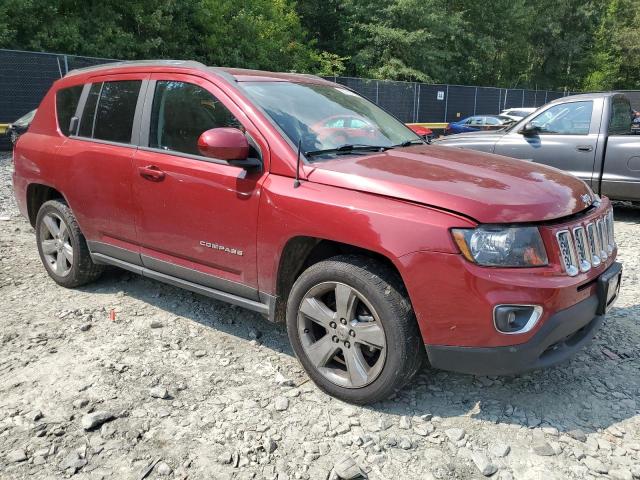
[567, 139]
[198, 220]
[99, 155]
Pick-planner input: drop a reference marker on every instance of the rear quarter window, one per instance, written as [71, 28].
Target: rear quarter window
[66, 104]
[116, 108]
[109, 111]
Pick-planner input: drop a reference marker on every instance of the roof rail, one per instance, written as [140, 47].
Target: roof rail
[136, 63]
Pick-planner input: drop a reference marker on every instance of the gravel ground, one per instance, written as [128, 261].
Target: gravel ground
[182, 386]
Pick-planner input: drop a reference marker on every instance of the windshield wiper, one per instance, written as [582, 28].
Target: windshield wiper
[347, 149]
[410, 142]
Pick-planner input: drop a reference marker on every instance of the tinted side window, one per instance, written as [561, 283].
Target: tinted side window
[622, 117]
[89, 112]
[565, 119]
[66, 103]
[116, 107]
[181, 112]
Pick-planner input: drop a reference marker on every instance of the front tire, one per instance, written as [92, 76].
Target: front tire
[352, 327]
[62, 247]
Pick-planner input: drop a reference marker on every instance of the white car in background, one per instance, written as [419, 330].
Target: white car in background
[518, 113]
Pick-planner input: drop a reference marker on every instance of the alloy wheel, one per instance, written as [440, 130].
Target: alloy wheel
[56, 244]
[342, 334]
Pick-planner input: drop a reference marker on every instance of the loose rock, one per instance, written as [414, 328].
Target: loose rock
[159, 392]
[500, 450]
[96, 419]
[455, 434]
[543, 449]
[281, 404]
[16, 456]
[595, 465]
[484, 464]
[346, 468]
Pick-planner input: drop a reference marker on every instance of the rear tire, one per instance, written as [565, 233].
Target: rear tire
[351, 325]
[62, 247]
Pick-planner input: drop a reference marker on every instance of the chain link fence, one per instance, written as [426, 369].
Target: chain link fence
[26, 76]
[431, 103]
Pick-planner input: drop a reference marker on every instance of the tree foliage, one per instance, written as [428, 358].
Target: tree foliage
[570, 44]
[615, 60]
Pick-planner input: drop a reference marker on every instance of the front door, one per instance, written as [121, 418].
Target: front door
[197, 216]
[566, 138]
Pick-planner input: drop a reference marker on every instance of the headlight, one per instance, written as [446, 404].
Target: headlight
[502, 247]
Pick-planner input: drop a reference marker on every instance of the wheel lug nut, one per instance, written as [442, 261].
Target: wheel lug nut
[352, 333]
[335, 339]
[343, 321]
[332, 324]
[347, 344]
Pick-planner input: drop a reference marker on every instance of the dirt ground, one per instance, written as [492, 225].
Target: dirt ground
[182, 386]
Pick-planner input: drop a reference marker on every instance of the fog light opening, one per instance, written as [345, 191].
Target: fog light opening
[516, 319]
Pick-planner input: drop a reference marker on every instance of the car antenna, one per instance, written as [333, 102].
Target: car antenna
[296, 182]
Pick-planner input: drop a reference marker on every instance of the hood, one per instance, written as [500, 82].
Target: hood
[488, 188]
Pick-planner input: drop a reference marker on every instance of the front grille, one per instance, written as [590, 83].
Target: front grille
[586, 245]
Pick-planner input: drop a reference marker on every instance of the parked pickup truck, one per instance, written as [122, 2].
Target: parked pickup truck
[590, 136]
[376, 249]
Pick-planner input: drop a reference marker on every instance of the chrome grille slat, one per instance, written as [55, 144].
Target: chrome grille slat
[586, 245]
[582, 250]
[603, 240]
[594, 244]
[612, 242]
[567, 252]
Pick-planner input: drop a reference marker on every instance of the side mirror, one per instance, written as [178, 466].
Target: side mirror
[529, 129]
[224, 144]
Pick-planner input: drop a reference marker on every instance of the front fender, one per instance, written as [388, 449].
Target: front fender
[383, 225]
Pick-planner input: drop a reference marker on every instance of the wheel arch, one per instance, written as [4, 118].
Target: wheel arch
[300, 252]
[37, 194]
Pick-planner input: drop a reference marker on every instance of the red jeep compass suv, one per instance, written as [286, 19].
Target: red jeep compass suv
[376, 249]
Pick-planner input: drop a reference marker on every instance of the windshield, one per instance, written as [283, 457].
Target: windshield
[327, 118]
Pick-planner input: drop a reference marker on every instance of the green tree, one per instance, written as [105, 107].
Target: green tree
[252, 33]
[568, 44]
[615, 59]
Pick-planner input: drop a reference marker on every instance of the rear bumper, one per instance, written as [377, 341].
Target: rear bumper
[561, 336]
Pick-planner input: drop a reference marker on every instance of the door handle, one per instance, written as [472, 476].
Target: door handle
[151, 172]
[584, 148]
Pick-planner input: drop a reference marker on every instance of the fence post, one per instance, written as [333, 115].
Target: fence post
[546, 92]
[522, 98]
[446, 103]
[377, 89]
[417, 117]
[475, 100]
[66, 65]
